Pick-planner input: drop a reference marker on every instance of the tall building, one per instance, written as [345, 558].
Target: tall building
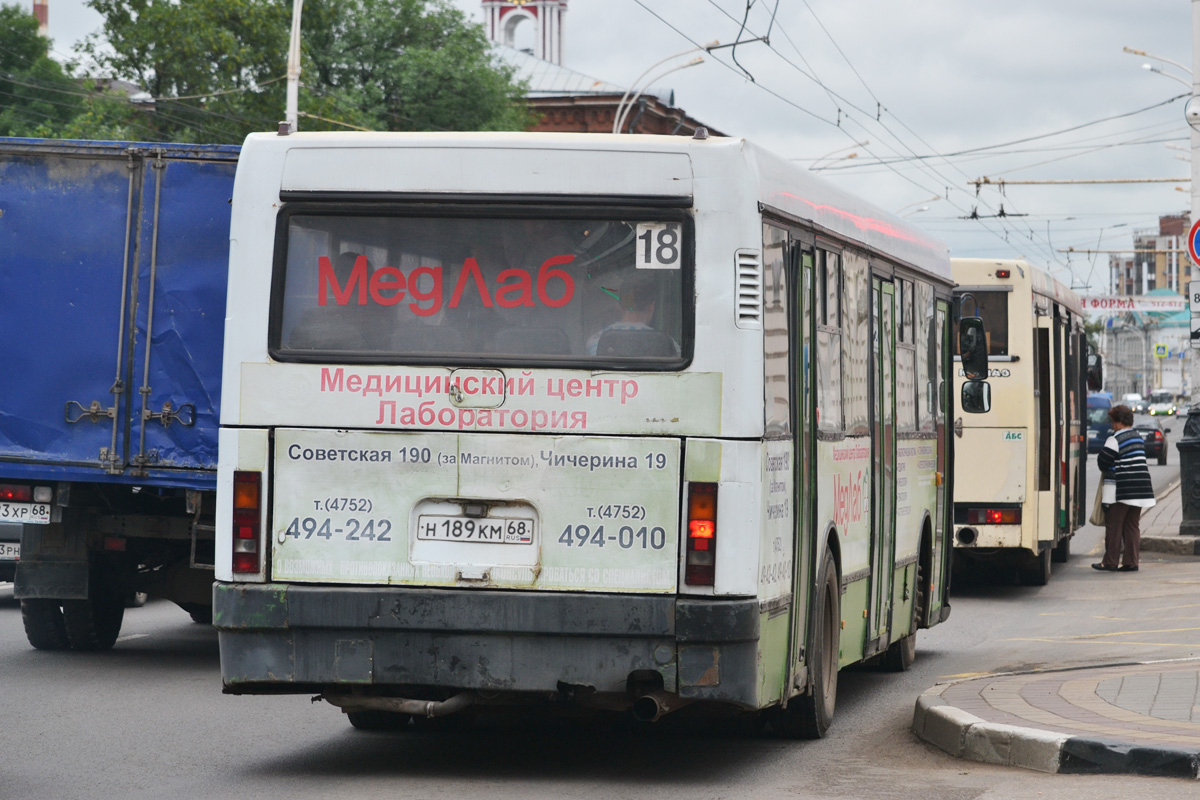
[1158, 261]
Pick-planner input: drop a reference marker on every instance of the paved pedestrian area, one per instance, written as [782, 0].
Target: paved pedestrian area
[1160, 526]
[1132, 718]
[1140, 718]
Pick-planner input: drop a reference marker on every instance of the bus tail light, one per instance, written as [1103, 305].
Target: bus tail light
[700, 568]
[994, 516]
[247, 522]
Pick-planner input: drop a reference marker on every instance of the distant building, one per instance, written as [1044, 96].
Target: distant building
[1158, 265]
[571, 102]
[1131, 363]
[1158, 261]
[528, 36]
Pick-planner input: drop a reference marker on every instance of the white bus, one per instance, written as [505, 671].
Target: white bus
[622, 422]
[1021, 504]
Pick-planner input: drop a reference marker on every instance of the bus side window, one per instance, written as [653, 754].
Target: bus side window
[829, 343]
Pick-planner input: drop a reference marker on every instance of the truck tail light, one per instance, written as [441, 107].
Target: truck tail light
[247, 522]
[15, 493]
[700, 569]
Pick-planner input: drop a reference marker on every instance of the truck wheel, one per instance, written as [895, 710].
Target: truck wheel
[94, 624]
[809, 716]
[44, 627]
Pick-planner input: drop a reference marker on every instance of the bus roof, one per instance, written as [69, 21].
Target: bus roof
[776, 183]
[981, 271]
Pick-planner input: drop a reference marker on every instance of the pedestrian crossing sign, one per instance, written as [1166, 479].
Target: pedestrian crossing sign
[1160, 351]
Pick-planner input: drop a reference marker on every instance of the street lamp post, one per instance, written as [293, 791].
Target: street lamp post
[292, 113]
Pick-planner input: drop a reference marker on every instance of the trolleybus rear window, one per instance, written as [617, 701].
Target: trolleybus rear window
[993, 310]
[482, 287]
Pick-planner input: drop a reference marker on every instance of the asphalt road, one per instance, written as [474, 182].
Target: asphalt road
[148, 720]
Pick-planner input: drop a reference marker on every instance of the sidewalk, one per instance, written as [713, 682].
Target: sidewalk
[1132, 718]
[1140, 718]
[1160, 526]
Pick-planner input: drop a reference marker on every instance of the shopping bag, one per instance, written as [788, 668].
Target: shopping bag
[1097, 517]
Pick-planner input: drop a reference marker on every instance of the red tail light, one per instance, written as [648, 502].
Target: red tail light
[15, 494]
[247, 522]
[701, 566]
[994, 516]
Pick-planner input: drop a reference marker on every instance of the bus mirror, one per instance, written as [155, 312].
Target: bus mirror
[972, 341]
[1095, 372]
[976, 397]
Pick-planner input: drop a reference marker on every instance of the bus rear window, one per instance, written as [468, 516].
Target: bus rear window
[993, 309]
[482, 289]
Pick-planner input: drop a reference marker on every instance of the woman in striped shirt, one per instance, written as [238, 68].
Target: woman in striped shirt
[1123, 459]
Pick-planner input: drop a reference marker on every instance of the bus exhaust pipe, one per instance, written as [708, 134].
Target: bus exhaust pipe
[402, 705]
[653, 706]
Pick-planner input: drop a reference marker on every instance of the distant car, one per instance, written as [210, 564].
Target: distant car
[1135, 401]
[1099, 428]
[1155, 436]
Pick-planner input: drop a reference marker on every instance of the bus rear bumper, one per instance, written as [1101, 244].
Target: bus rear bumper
[286, 638]
[984, 537]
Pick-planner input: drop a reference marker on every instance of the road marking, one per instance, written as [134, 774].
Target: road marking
[1191, 645]
[133, 636]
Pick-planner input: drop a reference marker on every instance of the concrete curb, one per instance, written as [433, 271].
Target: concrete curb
[964, 735]
[1178, 545]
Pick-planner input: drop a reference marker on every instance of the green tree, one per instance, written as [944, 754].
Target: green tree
[37, 96]
[216, 68]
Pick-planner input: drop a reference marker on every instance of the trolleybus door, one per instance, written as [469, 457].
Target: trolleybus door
[804, 548]
[883, 488]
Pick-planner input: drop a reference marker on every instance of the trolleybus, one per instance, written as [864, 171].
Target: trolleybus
[619, 422]
[1022, 500]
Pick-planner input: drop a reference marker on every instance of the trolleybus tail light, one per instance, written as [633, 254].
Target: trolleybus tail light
[1003, 273]
[701, 566]
[994, 516]
[247, 521]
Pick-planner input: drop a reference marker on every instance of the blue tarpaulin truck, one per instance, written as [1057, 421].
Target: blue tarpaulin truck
[113, 264]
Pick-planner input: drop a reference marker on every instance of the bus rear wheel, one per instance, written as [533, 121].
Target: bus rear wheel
[1035, 571]
[809, 716]
[1062, 551]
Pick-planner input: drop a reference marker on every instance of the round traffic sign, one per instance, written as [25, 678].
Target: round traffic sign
[1192, 248]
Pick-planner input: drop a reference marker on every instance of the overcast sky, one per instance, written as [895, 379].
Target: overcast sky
[942, 76]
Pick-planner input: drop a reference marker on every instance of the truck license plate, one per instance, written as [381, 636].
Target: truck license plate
[35, 513]
[10, 551]
[489, 530]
